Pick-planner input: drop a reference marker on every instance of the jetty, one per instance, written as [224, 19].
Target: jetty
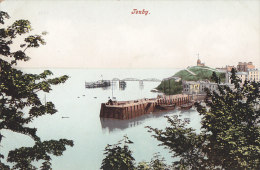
[134, 108]
[100, 83]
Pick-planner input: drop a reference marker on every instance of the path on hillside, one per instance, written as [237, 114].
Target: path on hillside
[190, 72]
[210, 69]
[201, 68]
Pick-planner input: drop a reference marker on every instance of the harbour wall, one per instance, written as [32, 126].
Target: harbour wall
[134, 108]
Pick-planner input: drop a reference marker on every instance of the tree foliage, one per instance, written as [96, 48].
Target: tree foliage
[230, 132]
[157, 163]
[170, 87]
[118, 156]
[19, 91]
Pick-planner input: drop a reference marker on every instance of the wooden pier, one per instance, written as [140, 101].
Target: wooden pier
[134, 108]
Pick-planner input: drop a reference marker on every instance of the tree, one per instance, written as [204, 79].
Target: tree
[19, 91]
[118, 156]
[230, 132]
[170, 87]
[157, 163]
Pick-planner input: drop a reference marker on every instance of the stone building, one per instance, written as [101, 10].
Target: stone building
[244, 66]
[199, 63]
[225, 69]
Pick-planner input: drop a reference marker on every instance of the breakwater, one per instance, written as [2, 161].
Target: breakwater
[134, 108]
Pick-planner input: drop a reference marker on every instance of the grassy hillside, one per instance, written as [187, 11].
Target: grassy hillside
[201, 73]
[194, 73]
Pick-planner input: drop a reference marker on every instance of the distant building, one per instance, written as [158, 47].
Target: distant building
[206, 84]
[199, 63]
[225, 69]
[253, 75]
[249, 75]
[190, 87]
[198, 87]
[244, 66]
[246, 71]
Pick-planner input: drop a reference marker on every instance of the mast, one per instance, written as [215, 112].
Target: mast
[112, 89]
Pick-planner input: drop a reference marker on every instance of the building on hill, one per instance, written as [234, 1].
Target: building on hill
[199, 63]
[225, 69]
[244, 66]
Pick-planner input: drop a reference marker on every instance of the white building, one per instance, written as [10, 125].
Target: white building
[198, 87]
[249, 75]
[253, 75]
[207, 84]
[191, 87]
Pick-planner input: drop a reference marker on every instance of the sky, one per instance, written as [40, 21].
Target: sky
[104, 34]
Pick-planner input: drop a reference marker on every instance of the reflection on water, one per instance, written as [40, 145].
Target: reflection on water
[122, 85]
[141, 85]
[111, 125]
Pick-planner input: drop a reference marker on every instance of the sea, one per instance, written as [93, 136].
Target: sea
[78, 117]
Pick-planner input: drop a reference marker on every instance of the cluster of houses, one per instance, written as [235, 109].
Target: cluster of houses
[245, 71]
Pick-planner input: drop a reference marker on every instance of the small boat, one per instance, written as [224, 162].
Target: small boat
[155, 90]
[166, 106]
[186, 106]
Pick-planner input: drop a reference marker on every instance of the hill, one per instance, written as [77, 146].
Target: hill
[194, 73]
[197, 73]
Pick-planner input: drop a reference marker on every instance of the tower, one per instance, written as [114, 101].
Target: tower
[199, 62]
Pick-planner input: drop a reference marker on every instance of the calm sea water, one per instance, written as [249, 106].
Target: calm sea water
[89, 132]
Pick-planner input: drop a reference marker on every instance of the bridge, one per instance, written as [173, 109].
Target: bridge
[135, 79]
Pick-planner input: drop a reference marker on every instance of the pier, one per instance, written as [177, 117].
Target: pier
[134, 108]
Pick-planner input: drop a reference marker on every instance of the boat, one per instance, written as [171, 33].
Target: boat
[100, 83]
[165, 106]
[65, 117]
[155, 90]
[186, 106]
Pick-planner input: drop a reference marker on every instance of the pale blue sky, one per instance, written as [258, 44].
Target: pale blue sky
[104, 34]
